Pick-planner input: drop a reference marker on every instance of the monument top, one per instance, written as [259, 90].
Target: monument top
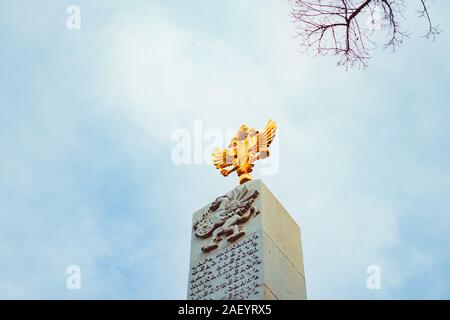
[248, 146]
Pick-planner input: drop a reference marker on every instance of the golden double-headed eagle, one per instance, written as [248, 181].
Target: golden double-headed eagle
[248, 146]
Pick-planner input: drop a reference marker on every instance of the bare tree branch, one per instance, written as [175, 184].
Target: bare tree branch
[342, 27]
[425, 13]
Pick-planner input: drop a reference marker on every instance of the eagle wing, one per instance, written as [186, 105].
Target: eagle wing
[265, 138]
[223, 158]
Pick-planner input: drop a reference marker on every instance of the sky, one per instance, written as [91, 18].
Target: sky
[86, 125]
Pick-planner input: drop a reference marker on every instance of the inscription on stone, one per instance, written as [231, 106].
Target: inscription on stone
[232, 273]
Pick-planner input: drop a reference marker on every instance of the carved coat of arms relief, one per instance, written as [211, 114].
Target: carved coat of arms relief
[225, 217]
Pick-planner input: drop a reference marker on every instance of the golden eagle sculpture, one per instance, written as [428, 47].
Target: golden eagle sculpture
[248, 146]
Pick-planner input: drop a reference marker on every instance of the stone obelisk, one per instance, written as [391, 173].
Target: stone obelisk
[246, 246]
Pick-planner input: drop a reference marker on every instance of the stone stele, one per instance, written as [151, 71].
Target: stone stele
[245, 246]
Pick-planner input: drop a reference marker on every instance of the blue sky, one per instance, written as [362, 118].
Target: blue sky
[86, 119]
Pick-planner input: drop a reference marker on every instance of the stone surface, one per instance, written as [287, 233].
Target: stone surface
[246, 246]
